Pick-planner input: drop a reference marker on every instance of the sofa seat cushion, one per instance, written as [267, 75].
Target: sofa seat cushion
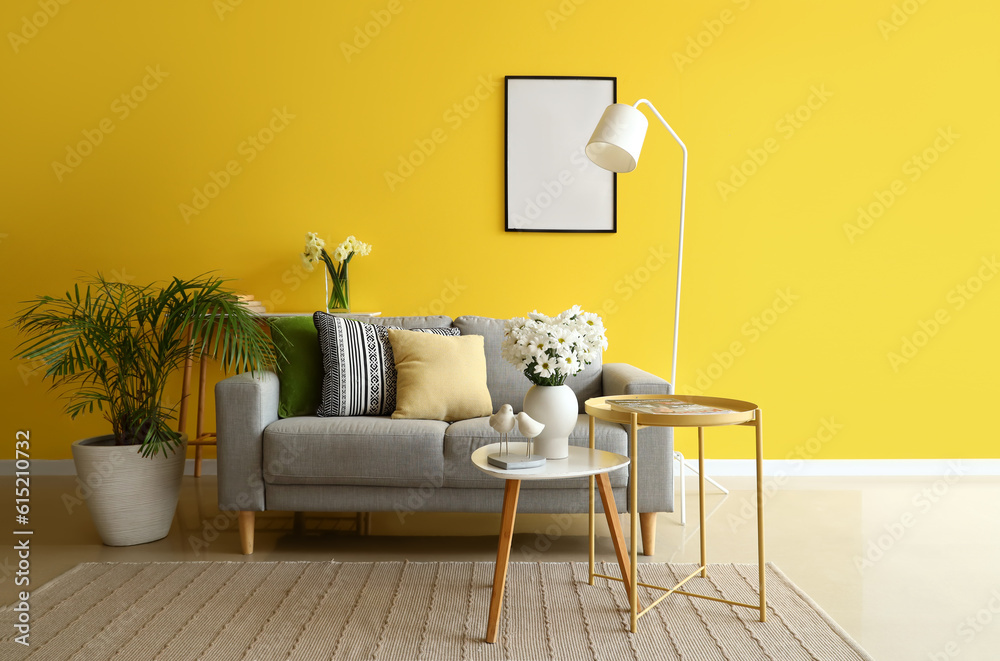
[362, 450]
[465, 437]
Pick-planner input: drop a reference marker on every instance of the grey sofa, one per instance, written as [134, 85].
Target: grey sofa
[376, 464]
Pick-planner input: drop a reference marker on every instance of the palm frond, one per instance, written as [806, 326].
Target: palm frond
[112, 347]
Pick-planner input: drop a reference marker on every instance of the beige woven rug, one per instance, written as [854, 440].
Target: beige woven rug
[400, 610]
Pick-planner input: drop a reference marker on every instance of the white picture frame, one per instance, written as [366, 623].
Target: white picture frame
[550, 184]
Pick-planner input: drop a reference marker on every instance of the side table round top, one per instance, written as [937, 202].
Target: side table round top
[729, 411]
[581, 462]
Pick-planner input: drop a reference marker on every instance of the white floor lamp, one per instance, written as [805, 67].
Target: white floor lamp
[615, 146]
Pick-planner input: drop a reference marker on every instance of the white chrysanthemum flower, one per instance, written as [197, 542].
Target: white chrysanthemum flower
[535, 315]
[550, 349]
[568, 315]
[544, 369]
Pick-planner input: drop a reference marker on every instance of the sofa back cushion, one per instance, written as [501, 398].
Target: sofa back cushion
[439, 378]
[359, 374]
[299, 365]
[507, 384]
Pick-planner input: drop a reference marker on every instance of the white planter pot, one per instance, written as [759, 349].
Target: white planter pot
[555, 407]
[131, 499]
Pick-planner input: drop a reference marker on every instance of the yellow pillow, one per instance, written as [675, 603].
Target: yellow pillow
[439, 377]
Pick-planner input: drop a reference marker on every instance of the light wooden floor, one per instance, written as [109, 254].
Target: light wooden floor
[909, 567]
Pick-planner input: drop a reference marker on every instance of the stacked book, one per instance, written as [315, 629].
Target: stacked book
[253, 304]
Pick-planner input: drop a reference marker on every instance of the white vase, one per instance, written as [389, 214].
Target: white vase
[556, 408]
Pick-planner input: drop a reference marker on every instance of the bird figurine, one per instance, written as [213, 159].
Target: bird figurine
[529, 428]
[503, 423]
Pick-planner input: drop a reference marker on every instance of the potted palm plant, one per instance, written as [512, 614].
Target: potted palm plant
[112, 346]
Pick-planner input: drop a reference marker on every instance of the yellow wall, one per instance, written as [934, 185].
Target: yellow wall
[886, 81]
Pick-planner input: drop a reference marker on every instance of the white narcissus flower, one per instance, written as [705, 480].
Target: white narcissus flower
[313, 250]
[339, 254]
[358, 247]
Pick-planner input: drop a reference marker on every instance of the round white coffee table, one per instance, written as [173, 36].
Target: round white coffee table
[581, 462]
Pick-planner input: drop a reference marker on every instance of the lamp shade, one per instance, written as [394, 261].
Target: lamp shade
[617, 140]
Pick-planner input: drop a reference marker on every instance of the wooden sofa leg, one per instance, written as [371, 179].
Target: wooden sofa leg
[647, 523]
[246, 532]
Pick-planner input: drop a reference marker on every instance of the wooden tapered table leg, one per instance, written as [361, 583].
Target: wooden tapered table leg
[615, 525]
[510, 492]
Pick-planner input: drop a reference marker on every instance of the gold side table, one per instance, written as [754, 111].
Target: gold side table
[728, 412]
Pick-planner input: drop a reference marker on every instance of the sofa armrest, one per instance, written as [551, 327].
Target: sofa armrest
[624, 379]
[244, 405]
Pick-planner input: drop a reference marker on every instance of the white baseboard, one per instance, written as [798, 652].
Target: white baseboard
[716, 467]
[65, 467]
[850, 467]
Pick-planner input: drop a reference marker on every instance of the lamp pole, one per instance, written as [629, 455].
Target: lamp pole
[680, 239]
[615, 146]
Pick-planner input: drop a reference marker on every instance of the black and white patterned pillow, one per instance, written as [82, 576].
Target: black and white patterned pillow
[359, 371]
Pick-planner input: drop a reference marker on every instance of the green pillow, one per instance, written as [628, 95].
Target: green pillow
[300, 372]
